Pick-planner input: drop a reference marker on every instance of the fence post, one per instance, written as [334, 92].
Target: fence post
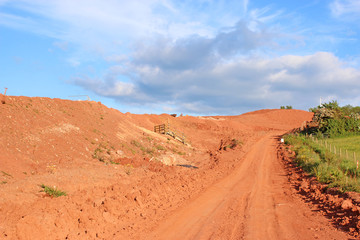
[340, 152]
[357, 162]
[334, 149]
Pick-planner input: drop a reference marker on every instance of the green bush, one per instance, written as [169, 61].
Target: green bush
[334, 120]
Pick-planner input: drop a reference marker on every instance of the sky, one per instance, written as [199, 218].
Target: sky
[203, 57]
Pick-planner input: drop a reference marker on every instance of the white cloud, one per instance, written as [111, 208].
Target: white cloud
[229, 86]
[87, 22]
[345, 8]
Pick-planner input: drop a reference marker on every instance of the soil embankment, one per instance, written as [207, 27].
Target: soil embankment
[122, 180]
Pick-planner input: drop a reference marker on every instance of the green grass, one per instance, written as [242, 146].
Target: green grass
[328, 167]
[52, 192]
[352, 144]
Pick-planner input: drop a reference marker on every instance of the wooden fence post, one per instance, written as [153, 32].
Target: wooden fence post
[357, 162]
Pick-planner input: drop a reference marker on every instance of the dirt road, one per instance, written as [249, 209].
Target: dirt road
[254, 202]
[123, 180]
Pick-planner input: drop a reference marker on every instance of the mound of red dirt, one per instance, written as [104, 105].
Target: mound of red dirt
[276, 118]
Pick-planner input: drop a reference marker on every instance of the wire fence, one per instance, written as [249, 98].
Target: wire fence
[331, 147]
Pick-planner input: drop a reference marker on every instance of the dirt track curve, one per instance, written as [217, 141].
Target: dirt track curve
[123, 181]
[253, 202]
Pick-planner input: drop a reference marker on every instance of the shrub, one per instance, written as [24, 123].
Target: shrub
[287, 107]
[334, 120]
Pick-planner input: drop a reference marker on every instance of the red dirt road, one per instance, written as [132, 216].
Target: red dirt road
[122, 180]
[253, 202]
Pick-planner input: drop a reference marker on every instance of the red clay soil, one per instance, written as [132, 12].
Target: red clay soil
[123, 181]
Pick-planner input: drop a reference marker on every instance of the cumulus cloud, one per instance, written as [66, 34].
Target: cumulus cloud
[230, 86]
[196, 51]
[108, 88]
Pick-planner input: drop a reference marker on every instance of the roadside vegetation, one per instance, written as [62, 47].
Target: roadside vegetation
[326, 166]
[335, 121]
[329, 148]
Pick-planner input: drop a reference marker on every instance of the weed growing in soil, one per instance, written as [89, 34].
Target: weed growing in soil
[234, 143]
[181, 153]
[144, 150]
[136, 143]
[128, 168]
[159, 147]
[52, 191]
[97, 155]
[6, 174]
[104, 152]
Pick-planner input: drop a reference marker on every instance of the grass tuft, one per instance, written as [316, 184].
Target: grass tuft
[6, 174]
[52, 191]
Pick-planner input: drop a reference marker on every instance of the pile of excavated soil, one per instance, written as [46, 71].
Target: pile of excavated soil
[121, 178]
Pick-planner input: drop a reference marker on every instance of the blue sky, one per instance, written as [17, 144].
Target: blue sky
[193, 57]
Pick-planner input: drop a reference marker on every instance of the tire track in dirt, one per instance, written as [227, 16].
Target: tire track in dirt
[255, 201]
